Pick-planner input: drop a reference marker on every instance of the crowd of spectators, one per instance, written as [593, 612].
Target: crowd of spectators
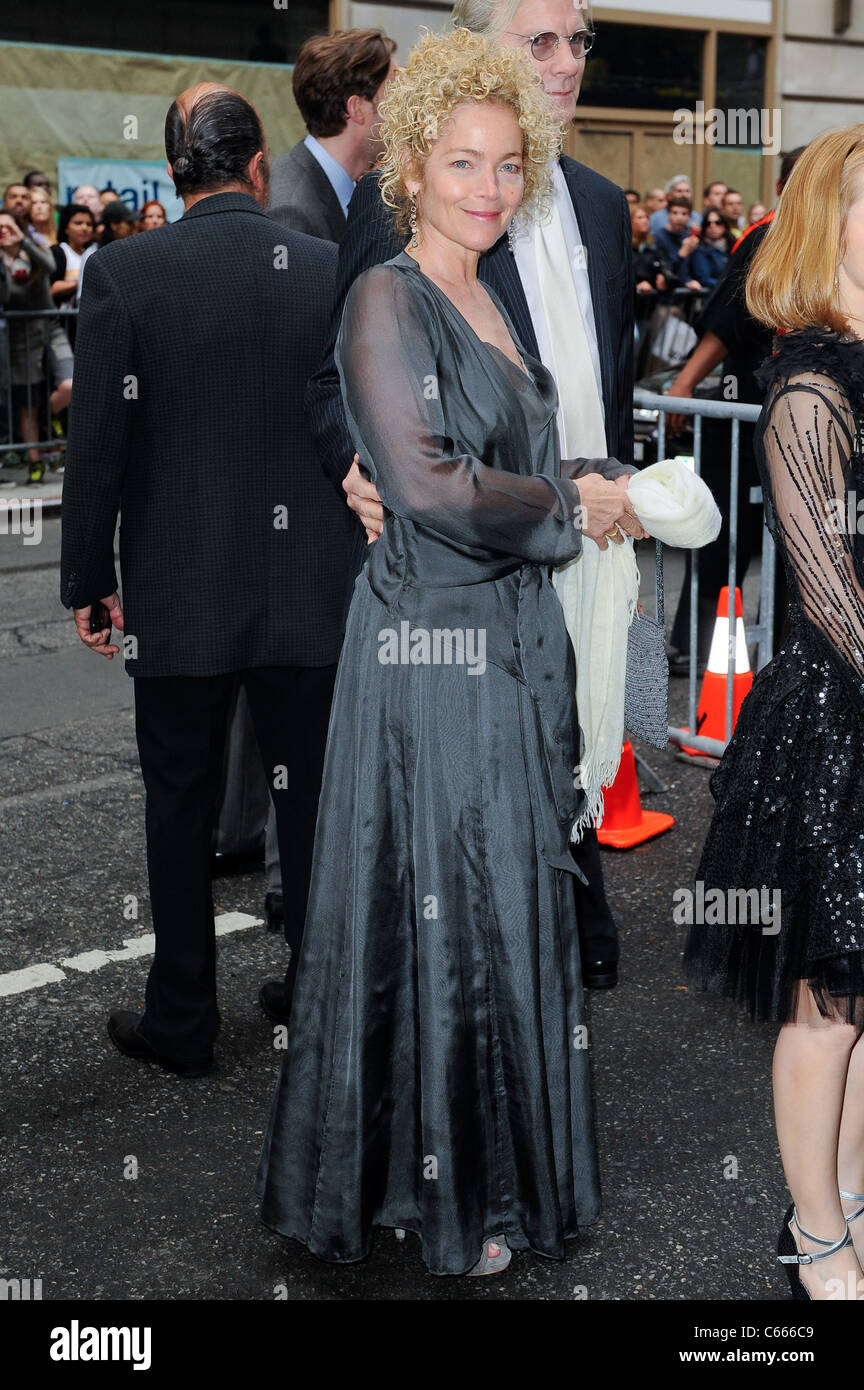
[43, 254]
[676, 246]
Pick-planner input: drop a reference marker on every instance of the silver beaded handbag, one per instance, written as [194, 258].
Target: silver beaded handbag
[646, 690]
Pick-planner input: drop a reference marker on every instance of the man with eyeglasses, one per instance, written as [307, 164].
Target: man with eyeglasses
[568, 287]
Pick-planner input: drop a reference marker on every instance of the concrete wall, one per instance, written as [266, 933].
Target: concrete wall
[821, 79]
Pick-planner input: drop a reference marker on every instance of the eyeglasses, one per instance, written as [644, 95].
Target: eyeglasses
[544, 46]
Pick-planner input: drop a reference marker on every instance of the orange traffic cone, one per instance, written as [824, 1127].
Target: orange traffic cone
[711, 713]
[624, 823]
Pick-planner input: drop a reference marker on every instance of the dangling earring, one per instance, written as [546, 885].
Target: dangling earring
[511, 235]
[412, 222]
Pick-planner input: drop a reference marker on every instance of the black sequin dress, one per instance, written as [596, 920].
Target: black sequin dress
[789, 791]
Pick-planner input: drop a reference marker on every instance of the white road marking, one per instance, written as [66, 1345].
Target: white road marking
[235, 921]
[35, 976]
[17, 981]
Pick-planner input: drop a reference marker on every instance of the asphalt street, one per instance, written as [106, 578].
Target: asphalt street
[119, 1181]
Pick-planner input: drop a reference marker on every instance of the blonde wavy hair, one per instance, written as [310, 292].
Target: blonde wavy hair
[442, 72]
[792, 283]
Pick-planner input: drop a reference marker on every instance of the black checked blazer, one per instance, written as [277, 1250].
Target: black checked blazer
[604, 222]
[195, 343]
[302, 196]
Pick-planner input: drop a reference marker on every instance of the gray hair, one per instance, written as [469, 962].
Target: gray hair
[678, 178]
[492, 18]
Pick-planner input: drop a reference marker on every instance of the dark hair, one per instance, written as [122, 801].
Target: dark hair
[735, 191]
[788, 161]
[35, 174]
[212, 143]
[112, 215]
[677, 200]
[636, 194]
[18, 218]
[118, 211]
[715, 183]
[66, 214]
[704, 239]
[16, 183]
[330, 68]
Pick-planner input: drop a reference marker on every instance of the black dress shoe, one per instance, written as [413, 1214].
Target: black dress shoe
[600, 974]
[123, 1032]
[275, 1001]
[274, 907]
[231, 865]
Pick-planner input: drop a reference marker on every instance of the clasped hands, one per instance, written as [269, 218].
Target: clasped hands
[607, 512]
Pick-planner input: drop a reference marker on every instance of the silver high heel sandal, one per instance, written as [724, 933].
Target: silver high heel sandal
[853, 1197]
[786, 1246]
[489, 1263]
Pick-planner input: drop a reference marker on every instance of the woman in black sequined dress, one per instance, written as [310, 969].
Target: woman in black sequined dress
[789, 792]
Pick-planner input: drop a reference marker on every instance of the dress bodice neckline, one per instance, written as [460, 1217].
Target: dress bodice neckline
[408, 261]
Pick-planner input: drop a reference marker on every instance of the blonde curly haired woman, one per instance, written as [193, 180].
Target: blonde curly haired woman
[436, 1076]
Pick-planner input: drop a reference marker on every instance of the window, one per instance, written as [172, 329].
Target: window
[740, 70]
[643, 67]
[241, 30]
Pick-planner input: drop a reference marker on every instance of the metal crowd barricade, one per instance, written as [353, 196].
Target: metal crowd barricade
[683, 306]
[36, 392]
[761, 633]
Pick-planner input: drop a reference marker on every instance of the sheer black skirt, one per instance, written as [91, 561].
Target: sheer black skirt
[788, 831]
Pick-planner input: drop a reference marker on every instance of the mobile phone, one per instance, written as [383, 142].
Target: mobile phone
[99, 618]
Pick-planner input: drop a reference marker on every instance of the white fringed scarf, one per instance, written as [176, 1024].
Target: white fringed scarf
[599, 591]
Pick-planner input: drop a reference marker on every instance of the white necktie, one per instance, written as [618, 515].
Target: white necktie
[581, 409]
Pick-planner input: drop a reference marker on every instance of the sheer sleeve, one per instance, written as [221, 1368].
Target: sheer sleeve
[386, 356]
[609, 468]
[807, 440]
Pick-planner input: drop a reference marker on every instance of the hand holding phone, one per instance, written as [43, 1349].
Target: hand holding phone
[95, 622]
[99, 617]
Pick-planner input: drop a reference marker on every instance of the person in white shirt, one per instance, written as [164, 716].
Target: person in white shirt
[75, 244]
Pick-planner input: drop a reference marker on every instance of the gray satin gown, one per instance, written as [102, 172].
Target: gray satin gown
[436, 1076]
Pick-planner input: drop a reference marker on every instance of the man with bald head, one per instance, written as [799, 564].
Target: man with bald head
[193, 352]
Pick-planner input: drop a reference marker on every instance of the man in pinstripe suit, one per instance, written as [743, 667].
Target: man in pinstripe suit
[556, 34]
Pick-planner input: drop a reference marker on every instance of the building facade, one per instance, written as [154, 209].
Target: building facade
[703, 87]
[712, 90]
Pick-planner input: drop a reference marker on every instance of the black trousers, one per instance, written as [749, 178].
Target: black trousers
[598, 935]
[181, 724]
[714, 558]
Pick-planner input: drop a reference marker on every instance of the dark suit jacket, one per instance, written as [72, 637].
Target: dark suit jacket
[604, 221]
[302, 196]
[195, 344]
